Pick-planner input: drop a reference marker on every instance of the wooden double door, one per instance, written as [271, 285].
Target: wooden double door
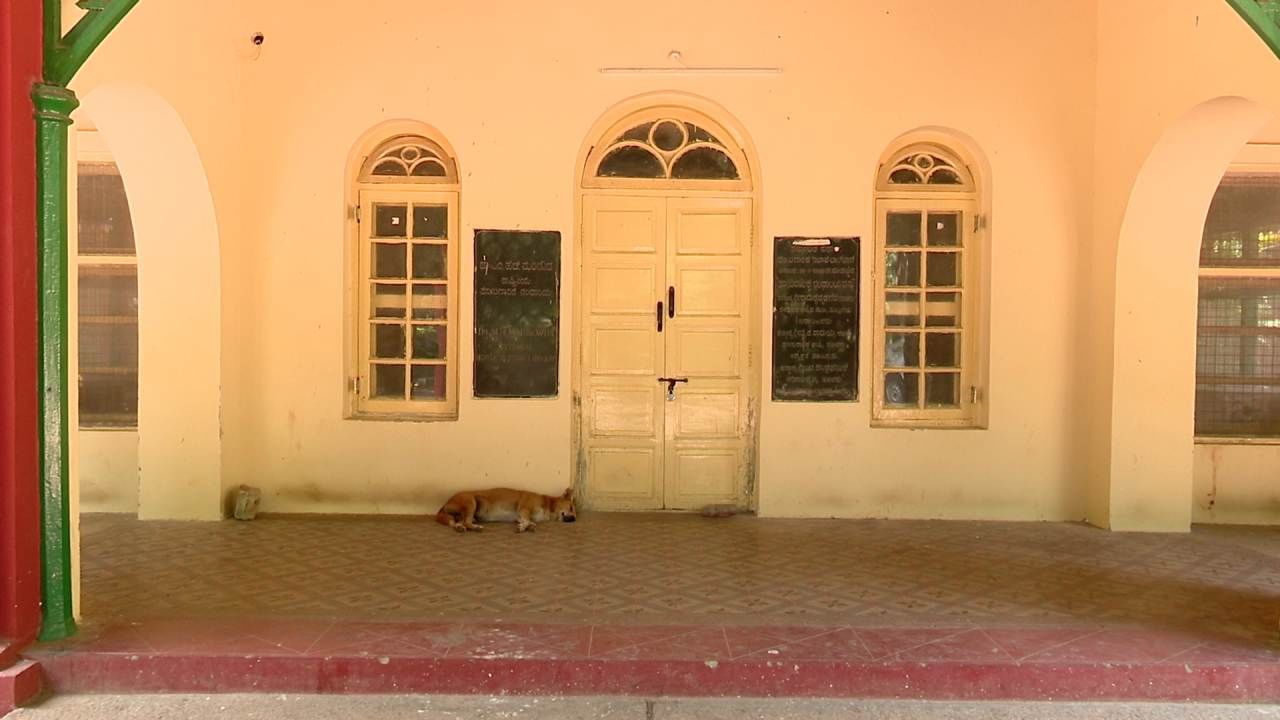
[665, 350]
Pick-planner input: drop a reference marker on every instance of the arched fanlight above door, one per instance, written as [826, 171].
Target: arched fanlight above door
[667, 147]
[409, 158]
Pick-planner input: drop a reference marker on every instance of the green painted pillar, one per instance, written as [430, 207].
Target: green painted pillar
[54, 105]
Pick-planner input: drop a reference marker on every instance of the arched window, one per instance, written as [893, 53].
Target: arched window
[1238, 335]
[407, 273]
[926, 278]
[667, 147]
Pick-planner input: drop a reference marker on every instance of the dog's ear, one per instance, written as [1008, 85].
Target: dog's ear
[568, 494]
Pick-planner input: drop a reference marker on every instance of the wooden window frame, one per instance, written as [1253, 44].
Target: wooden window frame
[963, 198]
[367, 405]
[1254, 160]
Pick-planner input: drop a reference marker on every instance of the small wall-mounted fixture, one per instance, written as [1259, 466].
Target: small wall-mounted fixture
[258, 38]
[678, 67]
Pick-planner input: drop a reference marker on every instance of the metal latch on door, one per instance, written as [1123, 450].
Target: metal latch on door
[671, 385]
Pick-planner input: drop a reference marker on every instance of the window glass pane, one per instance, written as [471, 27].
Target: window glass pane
[390, 220]
[668, 135]
[631, 161]
[902, 309]
[430, 221]
[905, 176]
[429, 342]
[639, 133]
[388, 381]
[388, 300]
[902, 350]
[942, 389]
[428, 382]
[108, 345]
[390, 166]
[430, 168]
[944, 176]
[944, 269]
[105, 226]
[944, 229]
[1238, 357]
[902, 269]
[109, 291]
[942, 309]
[389, 260]
[430, 302]
[1242, 228]
[108, 399]
[429, 262]
[903, 229]
[942, 350]
[704, 163]
[388, 341]
[902, 389]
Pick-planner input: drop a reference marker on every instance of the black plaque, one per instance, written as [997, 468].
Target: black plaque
[517, 323]
[815, 319]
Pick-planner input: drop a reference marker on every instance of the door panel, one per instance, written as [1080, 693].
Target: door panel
[623, 275]
[706, 476]
[706, 425]
[707, 414]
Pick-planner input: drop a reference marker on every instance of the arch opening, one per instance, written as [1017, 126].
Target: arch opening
[1154, 342]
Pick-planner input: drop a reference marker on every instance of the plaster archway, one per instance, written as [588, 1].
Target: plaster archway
[1153, 363]
[179, 295]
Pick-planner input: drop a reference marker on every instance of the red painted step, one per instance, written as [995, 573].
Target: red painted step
[292, 655]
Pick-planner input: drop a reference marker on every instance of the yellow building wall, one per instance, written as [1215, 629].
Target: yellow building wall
[108, 471]
[1042, 88]
[1181, 85]
[1237, 484]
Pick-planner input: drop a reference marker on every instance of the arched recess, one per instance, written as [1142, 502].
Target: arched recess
[1153, 362]
[657, 160]
[179, 298]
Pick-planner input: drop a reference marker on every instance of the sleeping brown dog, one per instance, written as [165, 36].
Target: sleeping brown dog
[505, 505]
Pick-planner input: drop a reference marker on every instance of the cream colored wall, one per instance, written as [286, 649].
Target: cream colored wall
[108, 471]
[1180, 88]
[516, 98]
[166, 104]
[1236, 484]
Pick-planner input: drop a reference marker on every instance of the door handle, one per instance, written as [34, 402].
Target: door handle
[659, 316]
[671, 301]
[671, 385]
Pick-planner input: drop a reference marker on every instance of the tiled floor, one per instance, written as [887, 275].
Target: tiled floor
[677, 604]
[653, 569]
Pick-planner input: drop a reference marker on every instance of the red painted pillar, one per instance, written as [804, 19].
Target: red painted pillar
[20, 68]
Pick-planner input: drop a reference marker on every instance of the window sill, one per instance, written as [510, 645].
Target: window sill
[402, 417]
[891, 424]
[108, 428]
[1211, 440]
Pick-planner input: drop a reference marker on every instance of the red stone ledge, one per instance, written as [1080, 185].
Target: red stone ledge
[123, 673]
[20, 682]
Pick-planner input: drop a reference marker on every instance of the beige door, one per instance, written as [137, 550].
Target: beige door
[665, 353]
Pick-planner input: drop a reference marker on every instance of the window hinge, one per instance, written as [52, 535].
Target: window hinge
[979, 222]
[973, 394]
[355, 212]
[355, 385]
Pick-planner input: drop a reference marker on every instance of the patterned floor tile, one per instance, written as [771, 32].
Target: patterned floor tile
[636, 569]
